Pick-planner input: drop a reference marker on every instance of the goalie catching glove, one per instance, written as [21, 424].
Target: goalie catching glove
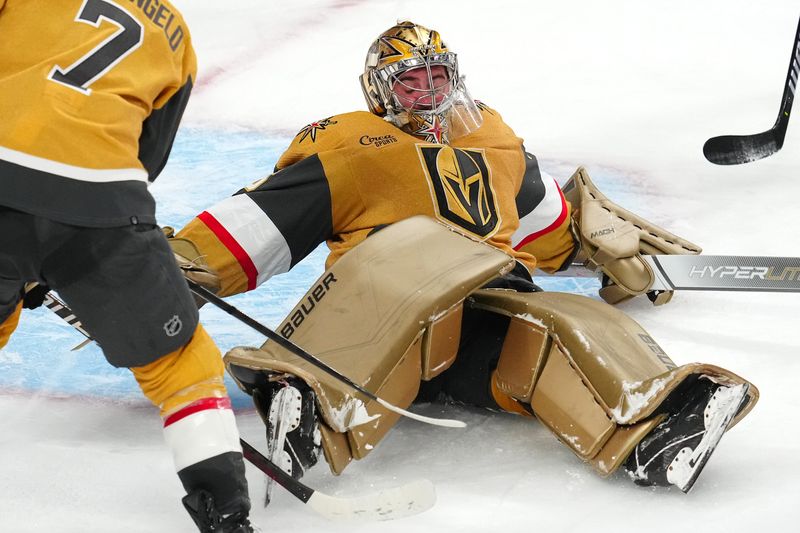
[614, 240]
[191, 262]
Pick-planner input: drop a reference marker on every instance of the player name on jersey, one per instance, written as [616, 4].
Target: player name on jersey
[162, 16]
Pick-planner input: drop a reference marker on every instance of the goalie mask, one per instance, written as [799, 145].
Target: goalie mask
[411, 78]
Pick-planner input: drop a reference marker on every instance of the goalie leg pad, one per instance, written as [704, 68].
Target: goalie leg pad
[386, 315]
[589, 372]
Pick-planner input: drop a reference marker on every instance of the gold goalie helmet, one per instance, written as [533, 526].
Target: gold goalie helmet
[411, 79]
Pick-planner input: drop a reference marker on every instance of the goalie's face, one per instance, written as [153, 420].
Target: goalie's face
[422, 88]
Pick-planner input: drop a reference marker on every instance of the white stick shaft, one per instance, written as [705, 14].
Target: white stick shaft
[444, 422]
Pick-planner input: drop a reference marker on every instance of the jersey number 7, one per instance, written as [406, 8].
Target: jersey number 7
[81, 74]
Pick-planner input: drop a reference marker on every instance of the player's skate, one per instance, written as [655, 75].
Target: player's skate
[288, 409]
[676, 451]
[203, 510]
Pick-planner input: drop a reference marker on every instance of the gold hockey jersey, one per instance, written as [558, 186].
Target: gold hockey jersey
[91, 94]
[348, 175]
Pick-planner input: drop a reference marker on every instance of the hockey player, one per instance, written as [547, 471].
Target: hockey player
[91, 94]
[402, 302]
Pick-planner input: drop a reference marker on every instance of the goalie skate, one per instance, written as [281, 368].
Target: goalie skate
[289, 411]
[677, 449]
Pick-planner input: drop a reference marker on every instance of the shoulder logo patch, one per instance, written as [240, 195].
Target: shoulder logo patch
[312, 129]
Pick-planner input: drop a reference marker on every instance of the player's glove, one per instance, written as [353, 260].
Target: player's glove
[614, 240]
[192, 263]
[34, 295]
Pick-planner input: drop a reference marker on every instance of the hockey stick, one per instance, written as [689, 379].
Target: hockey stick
[737, 149]
[715, 273]
[725, 273]
[388, 504]
[298, 351]
[63, 311]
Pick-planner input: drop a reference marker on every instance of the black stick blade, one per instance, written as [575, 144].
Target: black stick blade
[738, 149]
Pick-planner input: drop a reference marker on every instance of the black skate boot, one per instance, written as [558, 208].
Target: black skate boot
[201, 507]
[676, 451]
[288, 408]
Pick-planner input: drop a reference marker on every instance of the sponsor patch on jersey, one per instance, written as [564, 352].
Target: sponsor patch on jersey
[312, 129]
[377, 142]
[461, 186]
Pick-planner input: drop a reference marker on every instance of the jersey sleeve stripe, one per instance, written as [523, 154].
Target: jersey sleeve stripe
[532, 190]
[159, 129]
[251, 236]
[548, 215]
[297, 200]
[230, 243]
[72, 172]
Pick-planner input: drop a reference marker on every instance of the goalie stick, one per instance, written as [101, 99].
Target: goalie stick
[387, 504]
[212, 298]
[715, 273]
[737, 149]
[725, 273]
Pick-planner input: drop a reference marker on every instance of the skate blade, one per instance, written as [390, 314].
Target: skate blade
[283, 417]
[688, 463]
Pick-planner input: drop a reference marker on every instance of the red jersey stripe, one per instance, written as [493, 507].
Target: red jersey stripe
[233, 245]
[560, 220]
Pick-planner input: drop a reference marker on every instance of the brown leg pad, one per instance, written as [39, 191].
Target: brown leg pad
[387, 314]
[590, 373]
[440, 343]
[565, 404]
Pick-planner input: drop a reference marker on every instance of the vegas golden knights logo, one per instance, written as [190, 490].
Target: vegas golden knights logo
[461, 187]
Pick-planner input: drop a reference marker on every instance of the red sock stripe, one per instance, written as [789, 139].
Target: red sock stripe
[233, 245]
[203, 404]
[548, 229]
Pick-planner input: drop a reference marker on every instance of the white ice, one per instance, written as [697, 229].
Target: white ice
[630, 89]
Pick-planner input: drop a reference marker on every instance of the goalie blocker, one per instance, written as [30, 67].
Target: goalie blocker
[388, 314]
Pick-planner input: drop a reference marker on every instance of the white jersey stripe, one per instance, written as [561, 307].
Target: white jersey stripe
[202, 435]
[544, 215]
[257, 235]
[68, 171]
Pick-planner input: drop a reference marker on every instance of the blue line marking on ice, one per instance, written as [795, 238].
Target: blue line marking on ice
[205, 167]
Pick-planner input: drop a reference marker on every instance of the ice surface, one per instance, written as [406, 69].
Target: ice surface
[630, 89]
